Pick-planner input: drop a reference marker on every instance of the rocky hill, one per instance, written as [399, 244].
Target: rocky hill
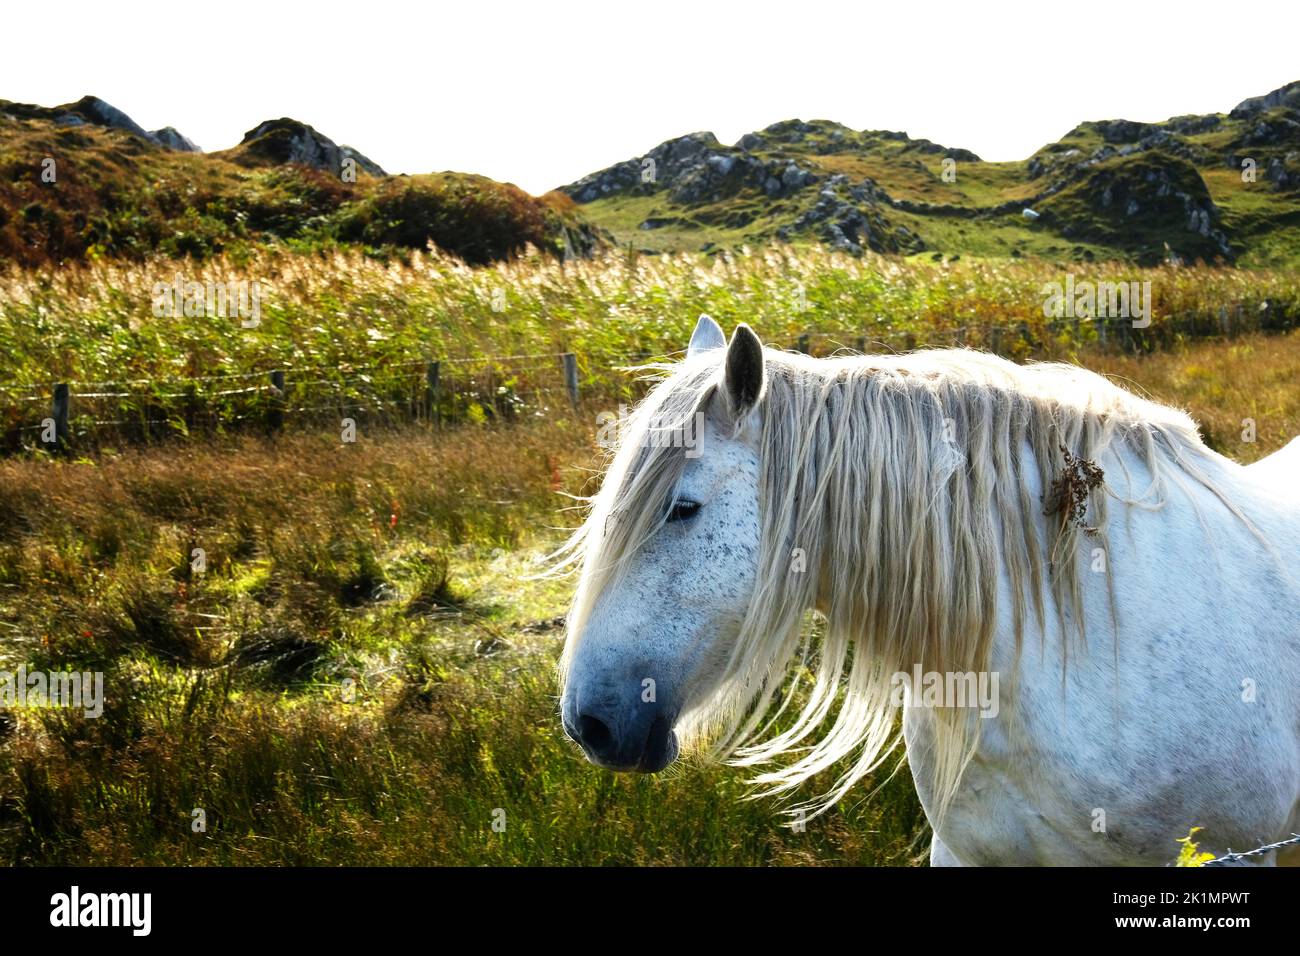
[85, 180]
[1215, 187]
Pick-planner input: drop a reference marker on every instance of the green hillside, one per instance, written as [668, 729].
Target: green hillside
[1214, 187]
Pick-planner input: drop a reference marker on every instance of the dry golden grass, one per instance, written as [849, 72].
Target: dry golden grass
[1222, 384]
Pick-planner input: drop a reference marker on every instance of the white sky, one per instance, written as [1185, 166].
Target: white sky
[542, 93]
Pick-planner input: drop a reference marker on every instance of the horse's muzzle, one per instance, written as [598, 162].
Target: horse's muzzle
[643, 741]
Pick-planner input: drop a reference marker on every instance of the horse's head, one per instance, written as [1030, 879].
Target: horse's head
[671, 553]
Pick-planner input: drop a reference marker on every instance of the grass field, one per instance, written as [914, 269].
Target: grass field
[353, 333]
[344, 310]
[363, 671]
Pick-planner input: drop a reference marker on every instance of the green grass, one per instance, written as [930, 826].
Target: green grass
[399, 570]
[1001, 238]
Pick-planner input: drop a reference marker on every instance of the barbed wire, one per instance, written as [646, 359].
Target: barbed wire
[1230, 857]
[523, 379]
[107, 384]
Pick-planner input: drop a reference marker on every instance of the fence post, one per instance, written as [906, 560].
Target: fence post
[571, 376]
[995, 339]
[862, 345]
[802, 344]
[490, 388]
[275, 415]
[59, 413]
[432, 373]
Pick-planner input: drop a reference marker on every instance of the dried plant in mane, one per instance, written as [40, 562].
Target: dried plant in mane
[1071, 489]
[906, 482]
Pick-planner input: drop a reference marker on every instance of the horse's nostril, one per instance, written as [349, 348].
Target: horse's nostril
[594, 734]
[640, 739]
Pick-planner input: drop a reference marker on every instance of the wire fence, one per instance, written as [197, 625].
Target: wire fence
[78, 414]
[1230, 858]
[62, 415]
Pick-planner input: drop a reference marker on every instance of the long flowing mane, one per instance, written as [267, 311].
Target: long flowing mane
[898, 482]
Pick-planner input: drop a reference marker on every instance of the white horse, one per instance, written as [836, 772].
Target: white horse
[957, 523]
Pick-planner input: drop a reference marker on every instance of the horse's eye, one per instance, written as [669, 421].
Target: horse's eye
[683, 510]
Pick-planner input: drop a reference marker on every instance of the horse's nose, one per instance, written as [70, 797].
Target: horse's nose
[643, 740]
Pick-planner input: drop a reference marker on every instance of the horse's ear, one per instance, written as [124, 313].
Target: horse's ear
[708, 335]
[743, 376]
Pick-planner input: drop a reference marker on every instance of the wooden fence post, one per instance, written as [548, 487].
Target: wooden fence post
[862, 345]
[995, 340]
[490, 390]
[802, 344]
[432, 374]
[59, 413]
[275, 415]
[571, 376]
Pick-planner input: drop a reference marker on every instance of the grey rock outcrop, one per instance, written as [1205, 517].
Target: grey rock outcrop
[693, 169]
[847, 217]
[93, 110]
[1288, 96]
[171, 138]
[287, 140]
